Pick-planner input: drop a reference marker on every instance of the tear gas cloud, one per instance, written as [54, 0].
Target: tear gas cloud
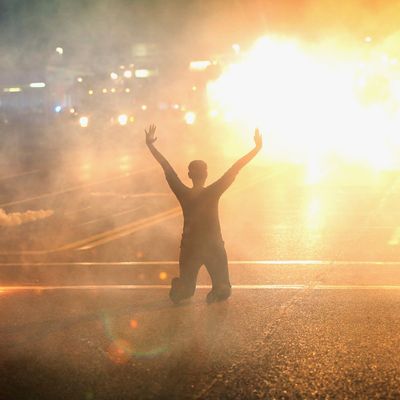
[19, 218]
[325, 80]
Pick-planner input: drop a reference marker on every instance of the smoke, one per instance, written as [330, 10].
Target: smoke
[18, 218]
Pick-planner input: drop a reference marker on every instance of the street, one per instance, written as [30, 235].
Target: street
[313, 314]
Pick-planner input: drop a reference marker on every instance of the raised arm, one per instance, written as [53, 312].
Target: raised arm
[150, 139]
[172, 178]
[239, 164]
[227, 179]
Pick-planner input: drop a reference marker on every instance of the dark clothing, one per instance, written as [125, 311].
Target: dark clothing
[200, 208]
[201, 239]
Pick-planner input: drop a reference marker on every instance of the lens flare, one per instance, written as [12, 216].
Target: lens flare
[315, 102]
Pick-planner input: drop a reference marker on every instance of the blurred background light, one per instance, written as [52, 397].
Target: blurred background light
[84, 122]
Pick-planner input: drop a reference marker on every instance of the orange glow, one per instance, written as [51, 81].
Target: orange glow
[120, 351]
[338, 99]
[163, 276]
[133, 324]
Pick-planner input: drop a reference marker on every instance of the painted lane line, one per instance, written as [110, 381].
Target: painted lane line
[106, 236]
[131, 210]
[138, 287]
[121, 231]
[26, 173]
[4, 289]
[233, 262]
[73, 188]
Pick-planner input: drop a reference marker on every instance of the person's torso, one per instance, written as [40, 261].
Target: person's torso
[200, 212]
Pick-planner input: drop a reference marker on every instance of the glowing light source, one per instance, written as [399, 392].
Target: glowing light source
[79, 79]
[114, 75]
[163, 276]
[128, 74]
[199, 65]
[37, 85]
[190, 117]
[236, 48]
[84, 122]
[90, 92]
[104, 91]
[213, 113]
[143, 107]
[127, 90]
[142, 73]
[57, 109]
[60, 50]
[133, 324]
[314, 101]
[368, 39]
[122, 119]
[113, 90]
[12, 90]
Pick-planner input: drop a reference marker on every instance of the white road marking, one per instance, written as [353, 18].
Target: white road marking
[25, 173]
[4, 289]
[233, 262]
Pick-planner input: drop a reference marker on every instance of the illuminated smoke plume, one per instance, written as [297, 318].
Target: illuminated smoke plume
[19, 218]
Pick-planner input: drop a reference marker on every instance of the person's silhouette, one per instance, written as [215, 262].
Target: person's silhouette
[201, 239]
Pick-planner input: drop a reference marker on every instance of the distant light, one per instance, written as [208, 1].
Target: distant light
[133, 324]
[112, 90]
[127, 90]
[199, 65]
[128, 73]
[114, 76]
[368, 39]
[163, 276]
[60, 50]
[131, 119]
[79, 79]
[175, 106]
[142, 73]
[12, 90]
[194, 88]
[84, 122]
[37, 85]
[144, 107]
[394, 61]
[213, 113]
[190, 117]
[57, 109]
[90, 92]
[72, 110]
[122, 119]
[104, 90]
[236, 48]
[122, 66]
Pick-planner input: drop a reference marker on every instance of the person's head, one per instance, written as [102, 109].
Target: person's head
[197, 171]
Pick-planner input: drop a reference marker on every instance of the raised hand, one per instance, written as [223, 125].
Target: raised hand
[150, 134]
[258, 139]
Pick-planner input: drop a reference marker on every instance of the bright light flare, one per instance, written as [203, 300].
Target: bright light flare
[128, 74]
[190, 117]
[199, 65]
[316, 102]
[122, 119]
[37, 85]
[84, 122]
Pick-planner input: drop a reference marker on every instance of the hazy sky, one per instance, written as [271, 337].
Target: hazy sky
[29, 29]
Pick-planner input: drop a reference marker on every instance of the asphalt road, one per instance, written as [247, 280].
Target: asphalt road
[265, 342]
[84, 302]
